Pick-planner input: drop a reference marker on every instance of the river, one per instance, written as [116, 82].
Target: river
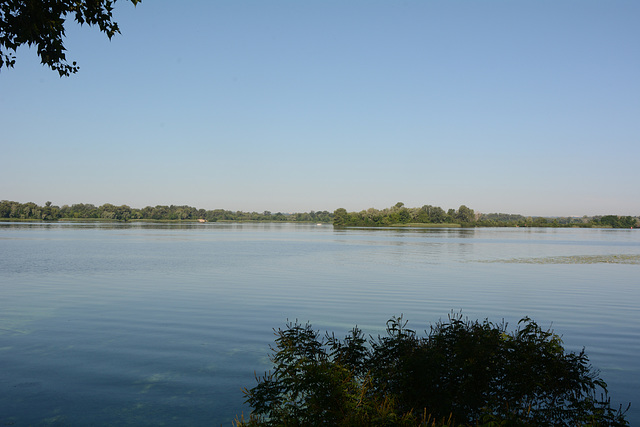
[164, 324]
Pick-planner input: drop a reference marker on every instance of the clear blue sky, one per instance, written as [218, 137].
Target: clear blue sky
[529, 107]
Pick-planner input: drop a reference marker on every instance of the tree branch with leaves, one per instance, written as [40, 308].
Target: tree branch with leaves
[41, 23]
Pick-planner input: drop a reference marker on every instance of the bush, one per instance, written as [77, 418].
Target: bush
[461, 373]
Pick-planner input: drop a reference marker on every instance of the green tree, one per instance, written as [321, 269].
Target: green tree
[465, 215]
[462, 373]
[404, 216]
[49, 212]
[616, 221]
[437, 214]
[451, 215]
[42, 23]
[123, 213]
[5, 209]
[340, 217]
[160, 212]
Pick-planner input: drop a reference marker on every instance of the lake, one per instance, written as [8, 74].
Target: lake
[164, 324]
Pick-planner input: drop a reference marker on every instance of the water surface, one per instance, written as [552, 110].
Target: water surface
[163, 324]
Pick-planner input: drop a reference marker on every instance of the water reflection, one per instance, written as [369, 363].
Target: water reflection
[166, 321]
[436, 231]
[100, 225]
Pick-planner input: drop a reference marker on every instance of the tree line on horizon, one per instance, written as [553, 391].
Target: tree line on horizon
[398, 214]
[109, 212]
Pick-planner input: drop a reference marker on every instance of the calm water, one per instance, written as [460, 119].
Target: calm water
[141, 324]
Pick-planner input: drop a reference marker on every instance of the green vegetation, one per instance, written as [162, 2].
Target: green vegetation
[430, 225]
[399, 215]
[41, 23]
[607, 221]
[434, 216]
[462, 373]
[395, 216]
[109, 212]
[615, 221]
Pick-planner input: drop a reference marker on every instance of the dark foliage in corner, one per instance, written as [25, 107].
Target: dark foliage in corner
[462, 372]
[42, 23]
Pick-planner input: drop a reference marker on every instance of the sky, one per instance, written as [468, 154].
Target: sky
[523, 107]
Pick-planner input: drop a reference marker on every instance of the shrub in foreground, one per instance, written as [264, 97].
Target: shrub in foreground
[461, 372]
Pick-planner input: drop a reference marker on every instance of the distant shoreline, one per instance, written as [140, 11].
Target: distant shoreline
[397, 216]
[427, 225]
[225, 221]
[134, 221]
